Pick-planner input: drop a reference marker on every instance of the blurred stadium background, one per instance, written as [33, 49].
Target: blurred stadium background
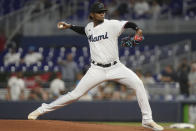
[35, 54]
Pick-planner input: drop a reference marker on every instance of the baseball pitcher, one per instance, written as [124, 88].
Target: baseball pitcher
[105, 65]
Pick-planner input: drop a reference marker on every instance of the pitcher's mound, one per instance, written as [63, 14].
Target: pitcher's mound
[54, 125]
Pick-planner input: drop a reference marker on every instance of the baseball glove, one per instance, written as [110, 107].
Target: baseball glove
[131, 41]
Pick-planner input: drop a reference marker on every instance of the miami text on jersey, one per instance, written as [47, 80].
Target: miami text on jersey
[91, 38]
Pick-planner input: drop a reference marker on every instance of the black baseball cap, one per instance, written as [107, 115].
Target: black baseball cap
[97, 7]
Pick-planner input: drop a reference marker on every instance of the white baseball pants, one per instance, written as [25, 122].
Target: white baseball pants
[96, 75]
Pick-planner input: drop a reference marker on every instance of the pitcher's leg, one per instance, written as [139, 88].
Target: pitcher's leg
[90, 80]
[131, 80]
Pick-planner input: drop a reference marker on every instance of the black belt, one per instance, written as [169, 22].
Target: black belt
[104, 65]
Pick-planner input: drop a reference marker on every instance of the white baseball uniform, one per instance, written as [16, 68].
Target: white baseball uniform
[56, 86]
[16, 86]
[103, 41]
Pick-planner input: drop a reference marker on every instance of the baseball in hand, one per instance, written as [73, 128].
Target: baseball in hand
[63, 25]
[60, 26]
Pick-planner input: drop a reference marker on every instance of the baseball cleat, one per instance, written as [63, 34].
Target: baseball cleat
[153, 125]
[34, 115]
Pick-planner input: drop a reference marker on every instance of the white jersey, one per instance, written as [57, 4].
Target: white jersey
[56, 86]
[16, 85]
[32, 58]
[103, 40]
[11, 58]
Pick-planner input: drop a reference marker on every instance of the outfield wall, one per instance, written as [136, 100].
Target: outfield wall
[95, 111]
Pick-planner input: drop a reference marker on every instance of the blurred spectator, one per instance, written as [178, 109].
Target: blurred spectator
[108, 90]
[30, 82]
[47, 3]
[116, 96]
[131, 95]
[39, 7]
[139, 74]
[32, 57]
[141, 9]
[16, 86]
[122, 9]
[168, 74]
[35, 80]
[38, 94]
[17, 39]
[165, 9]
[148, 79]
[192, 78]
[99, 95]
[44, 78]
[112, 12]
[183, 71]
[2, 40]
[155, 10]
[131, 5]
[12, 57]
[37, 91]
[122, 94]
[176, 7]
[57, 86]
[69, 71]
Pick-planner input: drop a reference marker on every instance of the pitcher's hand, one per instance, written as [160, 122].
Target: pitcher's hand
[63, 25]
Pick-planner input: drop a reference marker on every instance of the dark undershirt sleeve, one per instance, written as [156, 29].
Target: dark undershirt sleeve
[78, 29]
[131, 25]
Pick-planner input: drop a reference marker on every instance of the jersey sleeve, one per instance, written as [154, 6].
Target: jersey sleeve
[10, 82]
[118, 26]
[78, 29]
[86, 29]
[21, 83]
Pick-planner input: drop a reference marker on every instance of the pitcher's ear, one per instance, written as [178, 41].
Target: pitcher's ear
[91, 16]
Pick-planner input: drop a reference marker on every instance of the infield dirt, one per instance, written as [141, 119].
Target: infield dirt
[55, 125]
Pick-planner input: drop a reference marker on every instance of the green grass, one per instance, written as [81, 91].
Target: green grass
[166, 125]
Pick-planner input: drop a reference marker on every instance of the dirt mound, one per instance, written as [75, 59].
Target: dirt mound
[54, 125]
